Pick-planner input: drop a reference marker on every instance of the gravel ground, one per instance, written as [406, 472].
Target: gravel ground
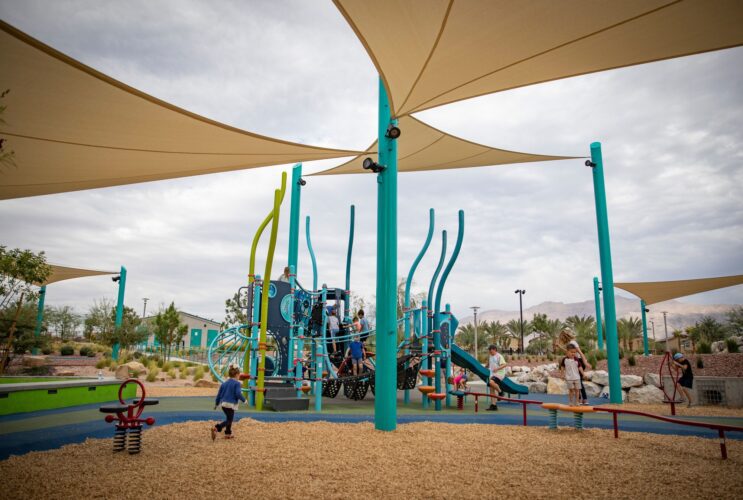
[421, 460]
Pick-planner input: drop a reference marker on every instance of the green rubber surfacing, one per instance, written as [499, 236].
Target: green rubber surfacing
[53, 396]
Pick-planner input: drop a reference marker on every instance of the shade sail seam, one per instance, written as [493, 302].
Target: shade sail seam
[51, 52]
[421, 106]
[430, 55]
[441, 137]
[121, 148]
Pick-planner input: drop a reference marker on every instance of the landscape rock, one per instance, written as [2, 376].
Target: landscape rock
[122, 372]
[33, 361]
[537, 387]
[136, 366]
[556, 386]
[647, 394]
[522, 378]
[600, 377]
[630, 381]
[652, 379]
[206, 383]
[537, 376]
[65, 374]
[588, 375]
[525, 369]
[516, 369]
[592, 390]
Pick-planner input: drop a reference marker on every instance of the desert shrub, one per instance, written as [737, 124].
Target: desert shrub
[152, 365]
[198, 374]
[214, 376]
[102, 363]
[152, 376]
[592, 360]
[732, 345]
[550, 357]
[136, 355]
[134, 373]
[167, 366]
[631, 361]
[182, 374]
[38, 371]
[171, 373]
[86, 351]
[704, 348]
[47, 350]
[700, 362]
[67, 350]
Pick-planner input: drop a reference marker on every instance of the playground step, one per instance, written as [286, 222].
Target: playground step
[280, 392]
[288, 404]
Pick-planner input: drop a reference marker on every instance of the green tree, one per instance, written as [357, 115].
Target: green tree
[628, 329]
[547, 329]
[584, 328]
[465, 337]
[168, 329]
[129, 333]
[710, 329]
[514, 327]
[63, 322]
[734, 319]
[20, 273]
[234, 315]
[99, 322]
[497, 333]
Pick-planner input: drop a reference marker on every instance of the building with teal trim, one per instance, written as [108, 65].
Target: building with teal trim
[201, 331]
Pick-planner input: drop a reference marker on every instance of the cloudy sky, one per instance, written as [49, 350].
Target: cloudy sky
[672, 135]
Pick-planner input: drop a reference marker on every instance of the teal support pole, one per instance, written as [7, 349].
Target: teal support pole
[320, 353]
[599, 324]
[385, 398]
[645, 346]
[254, 334]
[437, 307]
[294, 216]
[119, 311]
[448, 371]
[408, 284]
[607, 274]
[39, 316]
[292, 331]
[424, 346]
[347, 307]
[429, 331]
[312, 255]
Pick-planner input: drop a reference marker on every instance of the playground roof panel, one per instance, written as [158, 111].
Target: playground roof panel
[62, 273]
[72, 127]
[653, 292]
[423, 147]
[434, 52]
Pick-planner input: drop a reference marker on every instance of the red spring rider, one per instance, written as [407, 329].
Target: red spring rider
[129, 429]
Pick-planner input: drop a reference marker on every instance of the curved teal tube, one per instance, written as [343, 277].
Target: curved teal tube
[348, 260]
[437, 307]
[312, 256]
[431, 311]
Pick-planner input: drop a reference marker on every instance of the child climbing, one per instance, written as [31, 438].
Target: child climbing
[460, 381]
[334, 327]
[572, 372]
[686, 380]
[356, 351]
[228, 396]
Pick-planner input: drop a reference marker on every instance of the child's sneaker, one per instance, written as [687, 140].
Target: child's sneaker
[229, 436]
[492, 408]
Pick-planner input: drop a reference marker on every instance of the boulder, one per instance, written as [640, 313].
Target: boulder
[525, 369]
[33, 361]
[122, 372]
[536, 376]
[630, 381]
[647, 394]
[522, 378]
[652, 379]
[206, 383]
[588, 375]
[600, 377]
[556, 386]
[516, 369]
[136, 366]
[537, 387]
[592, 390]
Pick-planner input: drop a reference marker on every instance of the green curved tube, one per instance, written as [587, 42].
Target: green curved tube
[439, 293]
[348, 256]
[431, 311]
[259, 232]
[312, 255]
[277, 198]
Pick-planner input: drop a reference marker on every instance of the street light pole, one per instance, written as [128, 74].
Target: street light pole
[144, 310]
[475, 308]
[521, 317]
[665, 329]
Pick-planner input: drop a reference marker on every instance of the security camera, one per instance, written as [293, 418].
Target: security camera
[393, 132]
[302, 182]
[589, 163]
[370, 164]
[116, 279]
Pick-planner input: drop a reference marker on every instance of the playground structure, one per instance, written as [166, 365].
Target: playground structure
[128, 431]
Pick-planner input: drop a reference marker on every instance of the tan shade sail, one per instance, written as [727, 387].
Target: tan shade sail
[422, 147]
[434, 52]
[61, 273]
[74, 128]
[653, 292]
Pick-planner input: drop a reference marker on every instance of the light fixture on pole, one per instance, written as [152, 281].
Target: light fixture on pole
[521, 317]
[665, 329]
[475, 308]
[144, 309]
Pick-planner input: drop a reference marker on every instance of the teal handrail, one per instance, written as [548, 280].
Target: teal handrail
[312, 255]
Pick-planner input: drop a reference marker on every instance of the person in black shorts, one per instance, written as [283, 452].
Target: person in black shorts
[686, 380]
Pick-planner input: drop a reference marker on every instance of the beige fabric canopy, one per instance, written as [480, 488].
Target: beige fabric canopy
[653, 292]
[62, 273]
[422, 147]
[434, 52]
[74, 128]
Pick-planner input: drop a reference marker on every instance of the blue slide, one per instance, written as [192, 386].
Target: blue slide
[461, 358]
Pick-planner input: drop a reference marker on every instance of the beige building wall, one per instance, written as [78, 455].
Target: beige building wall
[200, 331]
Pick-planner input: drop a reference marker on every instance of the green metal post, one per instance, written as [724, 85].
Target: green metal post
[599, 324]
[294, 216]
[39, 316]
[312, 255]
[645, 346]
[385, 400]
[119, 311]
[607, 274]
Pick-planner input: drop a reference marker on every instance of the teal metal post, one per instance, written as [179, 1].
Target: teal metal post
[424, 346]
[607, 274]
[320, 353]
[645, 346]
[448, 371]
[385, 398]
[429, 332]
[408, 284]
[254, 334]
[347, 307]
[39, 316]
[119, 311]
[599, 324]
[292, 332]
[312, 255]
[437, 307]
[294, 216]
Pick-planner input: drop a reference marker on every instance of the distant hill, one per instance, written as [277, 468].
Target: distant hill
[680, 314]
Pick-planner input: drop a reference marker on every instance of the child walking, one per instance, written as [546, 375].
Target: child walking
[573, 372]
[228, 396]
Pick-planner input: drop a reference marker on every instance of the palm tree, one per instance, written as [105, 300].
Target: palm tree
[628, 329]
[547, 329]
[465, 337]
[497, 333]
[584, 328]
[514, 328]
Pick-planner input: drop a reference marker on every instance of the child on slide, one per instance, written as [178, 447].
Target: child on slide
[228, 396]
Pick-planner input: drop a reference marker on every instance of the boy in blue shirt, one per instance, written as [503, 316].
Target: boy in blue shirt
[230, 392]
[356, 351]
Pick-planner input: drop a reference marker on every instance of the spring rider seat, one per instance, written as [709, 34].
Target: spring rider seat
[129, 429]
